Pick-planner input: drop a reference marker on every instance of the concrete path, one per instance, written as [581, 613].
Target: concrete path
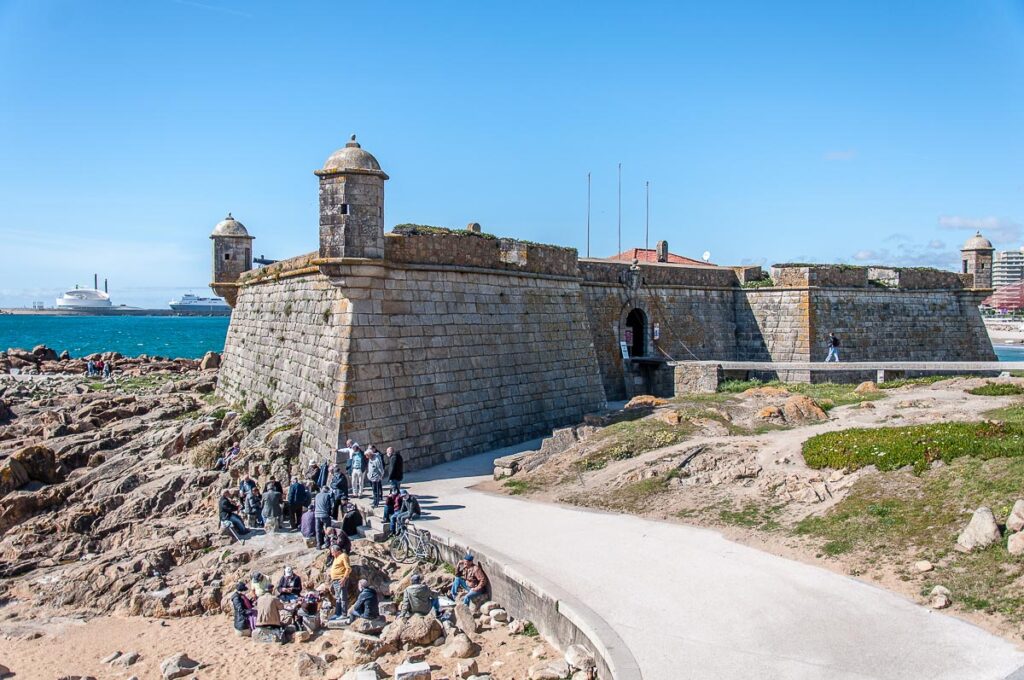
[690, 604]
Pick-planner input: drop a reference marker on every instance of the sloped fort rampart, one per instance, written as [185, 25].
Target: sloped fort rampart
[444, 344]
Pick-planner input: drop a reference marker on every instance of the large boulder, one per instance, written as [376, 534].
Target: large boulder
[359, 648]
[981, 532]
[802, 409]
[178, 666]
[465, 621]
[1015, 546]
[39, 462]
[1015, 522]
[580, 658]
[549, 670]
[460, 647]
[416, 630]
[44, 353]
[13, 475]
[309, 666]
[867, 387]
[210, 361]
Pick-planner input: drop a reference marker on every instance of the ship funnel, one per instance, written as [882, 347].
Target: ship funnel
[95, 281]
[105, 286]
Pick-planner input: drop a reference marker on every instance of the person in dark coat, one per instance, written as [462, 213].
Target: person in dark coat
[289, 586]
[229, 512]
[322, 506]
[246, 485]
[395, 468]
[352, 520]
[338, 537]
[272, 483]
[298, 500]
[307, 525]
[244, 612]
[367, 604]
[339, 489]
[272, 508]
[409, 509]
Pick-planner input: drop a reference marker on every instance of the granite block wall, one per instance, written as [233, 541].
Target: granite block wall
[446, 363]
[288, 342]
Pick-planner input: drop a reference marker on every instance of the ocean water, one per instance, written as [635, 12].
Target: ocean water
[186, 337]
[1009, 352]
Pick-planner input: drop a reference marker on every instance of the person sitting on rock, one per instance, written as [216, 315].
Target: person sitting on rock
[307, 525]
[298, 499]
[268, 613]
[340, 571]
[243, 611]
[289, 587]
[260, 583]
[322, 506]
[225, 461]
[417, 598]
[337, 537]
[229, 513]
[367, 604]
[339, 489]
[408, 509]
[351, 520]
[469, 576]
[272, 508]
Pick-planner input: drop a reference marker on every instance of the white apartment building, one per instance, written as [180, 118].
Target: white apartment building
[1007, 268]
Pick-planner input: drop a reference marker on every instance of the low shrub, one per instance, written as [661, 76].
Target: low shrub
[992, 389]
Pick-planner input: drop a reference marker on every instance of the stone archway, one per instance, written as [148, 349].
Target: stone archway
[635, 332]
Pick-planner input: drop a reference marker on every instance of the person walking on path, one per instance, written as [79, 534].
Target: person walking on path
[395, 468]
[322, 505]
[833, 348]
[375, 474]
[340, 571]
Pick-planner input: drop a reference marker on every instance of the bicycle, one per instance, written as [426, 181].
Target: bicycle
[410, 544]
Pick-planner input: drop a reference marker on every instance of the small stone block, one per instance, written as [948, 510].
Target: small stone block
[413, 671]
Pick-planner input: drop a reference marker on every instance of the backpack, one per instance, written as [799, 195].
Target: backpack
[835, 341]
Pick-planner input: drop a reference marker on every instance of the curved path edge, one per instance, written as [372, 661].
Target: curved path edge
[557, 615]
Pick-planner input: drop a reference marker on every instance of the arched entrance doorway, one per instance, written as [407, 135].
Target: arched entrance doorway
[636, 329]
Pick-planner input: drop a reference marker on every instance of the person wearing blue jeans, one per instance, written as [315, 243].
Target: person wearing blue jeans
[469, 576]
[408, 508]
[833, 348]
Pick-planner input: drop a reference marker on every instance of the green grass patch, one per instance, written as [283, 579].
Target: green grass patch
[899, 517]
[752, 516]
[629, 439]
[1014, 413]
[890, 448]
[924, 380]
[991, 389]
[518, 487]
[828, 395]
[530, 630]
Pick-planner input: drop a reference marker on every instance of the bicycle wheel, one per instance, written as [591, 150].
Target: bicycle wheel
[399, 548]
[433, 555]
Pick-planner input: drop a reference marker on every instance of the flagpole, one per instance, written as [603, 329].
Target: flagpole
[588, 214]
[620, 209]
[647, 218]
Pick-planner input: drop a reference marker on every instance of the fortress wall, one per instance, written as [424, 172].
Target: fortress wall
[450, 362]
[474, 250]
[288, 342]
[694, 321]
[772, 324]
[911, 325]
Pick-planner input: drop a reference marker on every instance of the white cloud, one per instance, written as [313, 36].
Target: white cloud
[840, 155]
[936, 244]
[997, 229]
[910, 254]
[862, 255]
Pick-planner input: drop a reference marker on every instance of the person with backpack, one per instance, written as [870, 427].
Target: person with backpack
[833, 348]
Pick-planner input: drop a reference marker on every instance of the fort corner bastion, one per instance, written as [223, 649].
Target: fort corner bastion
[446, 343]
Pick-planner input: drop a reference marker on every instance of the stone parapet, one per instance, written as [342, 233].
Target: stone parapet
[473, 249]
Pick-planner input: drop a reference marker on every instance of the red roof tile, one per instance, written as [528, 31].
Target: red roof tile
[651, 255]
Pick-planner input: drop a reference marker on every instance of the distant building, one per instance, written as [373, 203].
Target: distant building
[657, 254]
[1007, 268]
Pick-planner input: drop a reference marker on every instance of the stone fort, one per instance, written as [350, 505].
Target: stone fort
[443, 343]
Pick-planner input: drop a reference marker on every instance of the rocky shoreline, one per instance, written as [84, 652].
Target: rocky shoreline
[107, 509]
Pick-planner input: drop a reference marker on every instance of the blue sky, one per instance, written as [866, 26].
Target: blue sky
[839, 131]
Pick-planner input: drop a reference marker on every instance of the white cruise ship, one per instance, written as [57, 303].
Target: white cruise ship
[193, 304]
[85, 299]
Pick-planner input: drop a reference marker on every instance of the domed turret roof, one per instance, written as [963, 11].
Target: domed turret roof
[977, 242]
[351, 157]
[229, 226]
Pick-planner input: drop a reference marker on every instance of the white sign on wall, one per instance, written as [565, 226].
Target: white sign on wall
[657, 331]
[625, 350]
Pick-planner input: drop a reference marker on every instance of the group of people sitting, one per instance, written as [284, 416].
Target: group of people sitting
[321, 509]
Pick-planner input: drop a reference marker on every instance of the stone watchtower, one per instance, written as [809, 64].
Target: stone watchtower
[232, 255]
[976, 258]
[351, 204]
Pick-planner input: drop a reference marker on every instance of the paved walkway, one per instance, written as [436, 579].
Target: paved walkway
[690, 604]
